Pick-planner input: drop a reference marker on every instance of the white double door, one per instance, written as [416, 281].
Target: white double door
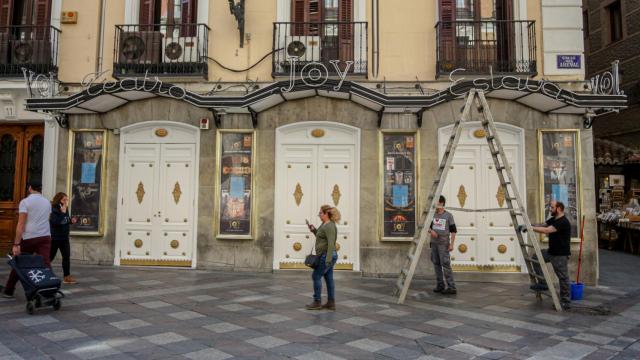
[486, 241]
[311, 176]
[157, 205]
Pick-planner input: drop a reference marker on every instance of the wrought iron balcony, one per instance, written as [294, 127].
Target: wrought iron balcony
[28, 46]
[317, 43]
[161, 50]
[506, 47]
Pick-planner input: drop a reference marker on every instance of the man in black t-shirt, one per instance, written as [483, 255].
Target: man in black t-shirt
[558, 228]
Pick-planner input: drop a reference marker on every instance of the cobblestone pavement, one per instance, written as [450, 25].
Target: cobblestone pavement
[129, 313]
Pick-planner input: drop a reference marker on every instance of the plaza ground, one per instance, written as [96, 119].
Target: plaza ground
[134, 313]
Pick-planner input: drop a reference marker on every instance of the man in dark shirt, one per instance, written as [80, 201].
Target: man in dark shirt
[558, 228]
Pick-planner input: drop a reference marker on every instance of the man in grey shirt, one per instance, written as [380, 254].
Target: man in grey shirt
[443, 235]
[33, 234]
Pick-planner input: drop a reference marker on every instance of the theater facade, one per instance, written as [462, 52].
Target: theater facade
[221, 170]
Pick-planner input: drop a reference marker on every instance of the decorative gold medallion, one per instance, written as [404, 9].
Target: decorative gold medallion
[480, 133]
[462, 195]
[140, 192]
[174, 244]
[176, 193]
[335, 195]
[500, 195]
[297, 246]
[298, 194]
[337, 246]
[462, 248]
[317, 133]
[161, 132]
[138, 243]
[502, 249]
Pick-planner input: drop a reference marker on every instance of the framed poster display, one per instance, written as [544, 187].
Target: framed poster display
[86, 181]
[398, 190]
[235, 160]
[560, 173]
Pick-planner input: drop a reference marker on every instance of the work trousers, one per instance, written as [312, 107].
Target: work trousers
[561, 268]
[441, 260]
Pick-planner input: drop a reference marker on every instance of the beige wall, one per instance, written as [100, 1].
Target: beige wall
[407, 39]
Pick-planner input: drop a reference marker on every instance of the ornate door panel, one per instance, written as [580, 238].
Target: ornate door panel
[20, 161]
[175, 208]
[336, 188]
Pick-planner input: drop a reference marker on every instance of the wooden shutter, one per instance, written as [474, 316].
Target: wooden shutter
[446, 35]
[299, 15]
[189, 15]
[147, 12]
[43, 12]
[6, 11]
[505, 36]
[345, 29]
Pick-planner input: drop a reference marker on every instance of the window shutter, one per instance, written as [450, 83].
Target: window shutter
[6, 9]
[147, 12]
[446, 35]
[43, 12]
[505, 36]
[345, 30]
[189, 15]
[299, 14]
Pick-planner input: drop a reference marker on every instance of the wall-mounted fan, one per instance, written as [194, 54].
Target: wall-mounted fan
[296, 48]
[132, 47]
[173, 51]
[22, 52]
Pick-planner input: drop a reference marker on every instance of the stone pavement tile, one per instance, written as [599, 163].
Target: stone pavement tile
[601, 354]
[242, 292]
[400, 353]
[92, 350]
[551, 317]
[244, 334]
[318, 355]
[440, 341]
[272, 318]
[497, 308]
[63, 335]
[393, 313]
[495, 355]
[35, 320]
[267, 342]
[105, 287]
[600, 340]
[409, 333]
[352, 303]
[186, 315]
[150, 282]
[154, 304]
[368, 345]
[129, 324]
[447, 324]
[358, 321]
[292, 350]
[274, 300]
[317, 330]
[184, 347]
[207, 354]
[449, 354]
[88, 279]
[103, 311]
[469, 349]
[202, 298]
[223, 327]
[567, 350]
[234, 307]
[502, 336]
[165, 338]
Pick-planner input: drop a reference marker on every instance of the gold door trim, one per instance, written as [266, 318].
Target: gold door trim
[500, 195]
[335, 194]
[462, 196]
[298, 194]
[140, 192]
[486, 268]
[301, 266]
[177, 192]
[155, 262]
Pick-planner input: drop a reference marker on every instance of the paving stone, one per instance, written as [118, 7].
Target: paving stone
[447, 324]
[93, 350]
[223, 327]
[469, 349]
[186, 315]
[105, 287]
[399, 353]
[154, 304]
[103, 311]
[317, 330]
[63, 335]
[495, 355]
[272, 318]
[207, 354]
[37, 320]
[602, 340]
[358, 321]
[368, 345]
[550, 317]
[165, 338]
[497, 308]
[234, 307]
[318, 355]
[502, 336]
[565, 350]
[129, 324]
[409, 334]
[393, 313]
[352, 303]
[267, 342]
[276, 300]
[150, 282]
[202, 298]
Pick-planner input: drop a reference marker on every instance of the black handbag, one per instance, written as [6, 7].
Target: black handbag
[312, 261]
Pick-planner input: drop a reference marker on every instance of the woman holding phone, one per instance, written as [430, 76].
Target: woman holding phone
[60, 222]
[326, 236]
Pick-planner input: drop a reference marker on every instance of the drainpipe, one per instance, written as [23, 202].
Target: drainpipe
[100, 49]
[375, 42]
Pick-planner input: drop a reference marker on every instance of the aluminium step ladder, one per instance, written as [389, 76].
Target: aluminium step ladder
[528, 241]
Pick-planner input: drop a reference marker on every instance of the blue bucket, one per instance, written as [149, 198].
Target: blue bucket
[576, 291]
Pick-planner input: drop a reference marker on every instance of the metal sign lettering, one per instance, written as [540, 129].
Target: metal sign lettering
[315, 74]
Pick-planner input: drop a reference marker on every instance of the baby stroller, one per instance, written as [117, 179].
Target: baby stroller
[40, 284]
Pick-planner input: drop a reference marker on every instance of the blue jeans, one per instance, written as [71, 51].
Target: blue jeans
[322, 270]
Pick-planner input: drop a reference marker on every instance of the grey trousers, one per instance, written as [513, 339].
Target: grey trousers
[442, 264]
[561, 269]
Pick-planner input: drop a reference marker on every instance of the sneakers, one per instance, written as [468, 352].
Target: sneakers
[69, 280]
[449, 291]
[4, 295]
[315, 305]
[438, 289]
[539, 287]
[565, 305]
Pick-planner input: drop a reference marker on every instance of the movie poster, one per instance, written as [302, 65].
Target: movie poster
[399, 188]
[85, 188]
[236, 172]
[560, 173]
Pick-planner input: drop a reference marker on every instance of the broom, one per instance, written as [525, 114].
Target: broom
[580, 255]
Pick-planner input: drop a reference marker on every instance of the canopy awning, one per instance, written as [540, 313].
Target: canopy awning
[539, 95]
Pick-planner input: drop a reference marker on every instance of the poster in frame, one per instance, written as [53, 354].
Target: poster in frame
[86, 170]
[235, 178]
[560, 171]
[398, 169]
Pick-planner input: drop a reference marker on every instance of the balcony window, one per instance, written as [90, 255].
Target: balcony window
[615, 21]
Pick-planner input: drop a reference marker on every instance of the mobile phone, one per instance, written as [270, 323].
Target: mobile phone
[307, 221]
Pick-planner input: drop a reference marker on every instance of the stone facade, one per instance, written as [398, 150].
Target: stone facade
[377, 258]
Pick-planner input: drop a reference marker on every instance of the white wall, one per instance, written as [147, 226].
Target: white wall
[562, 34]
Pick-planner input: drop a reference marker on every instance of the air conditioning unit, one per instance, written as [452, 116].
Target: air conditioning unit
[140, 47]
[306, 47]
[30, 51]
[180, 50]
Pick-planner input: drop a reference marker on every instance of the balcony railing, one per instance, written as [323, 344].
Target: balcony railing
[507, 47]
[34, 47]
[161, 50]
[317, 44]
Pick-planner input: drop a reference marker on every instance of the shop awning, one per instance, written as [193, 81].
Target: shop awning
[607, 152]
[539, 95]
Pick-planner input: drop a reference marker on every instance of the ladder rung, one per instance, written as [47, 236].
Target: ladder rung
[538, 276]
[404, 272]
[531, 259]
[527, 245]
[410, 257]
[399, 283]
